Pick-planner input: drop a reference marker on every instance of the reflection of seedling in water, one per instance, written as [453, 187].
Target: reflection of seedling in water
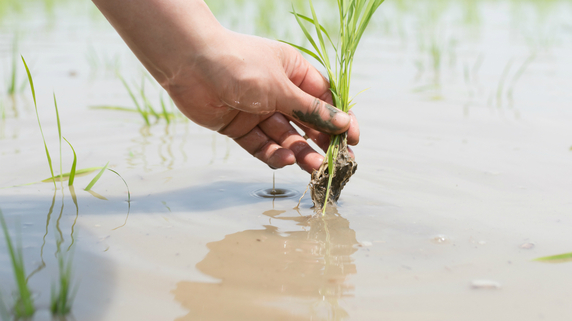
[471, 75]
[338, 166]
[62, 297]
[500, 92]
[502, 80]
[24, 303]
[517, 76]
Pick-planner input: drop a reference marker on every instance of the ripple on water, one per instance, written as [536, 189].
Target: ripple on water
[275, 193]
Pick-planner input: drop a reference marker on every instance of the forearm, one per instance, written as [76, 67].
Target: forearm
[163, 34]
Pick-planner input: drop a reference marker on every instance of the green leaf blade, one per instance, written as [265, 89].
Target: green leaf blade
[306, 51]
[139, 109]
[31, 81]
[74, 164]
[560, 258]
[96, 178]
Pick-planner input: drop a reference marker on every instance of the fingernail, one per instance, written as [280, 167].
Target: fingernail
[273, 161]
[339, 119]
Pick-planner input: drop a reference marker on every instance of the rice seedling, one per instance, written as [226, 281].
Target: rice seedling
[143, 114]
[96, 178]
[62, 177]
[164, 109]
[126, 186]
[354, 17]
[60, 141]
[170, 115]
[38, 117]
[73, 172]
[13, 73]
[24, 303]
[62, 297]
[143, 105]
[560, 258]
[146, 102]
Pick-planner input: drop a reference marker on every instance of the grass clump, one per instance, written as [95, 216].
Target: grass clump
[354, 17]
[24, 303]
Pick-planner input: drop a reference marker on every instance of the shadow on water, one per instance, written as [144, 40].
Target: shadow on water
[58, 233]
[91, 302]
[268, 274]
[195, 199]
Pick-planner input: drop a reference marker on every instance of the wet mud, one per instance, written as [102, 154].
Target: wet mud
[344, 167]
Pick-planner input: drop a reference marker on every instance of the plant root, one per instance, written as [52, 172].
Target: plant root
[345, 166]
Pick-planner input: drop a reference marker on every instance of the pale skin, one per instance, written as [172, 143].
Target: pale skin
[247, 88]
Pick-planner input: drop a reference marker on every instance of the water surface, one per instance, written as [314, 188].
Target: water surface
[464, 175]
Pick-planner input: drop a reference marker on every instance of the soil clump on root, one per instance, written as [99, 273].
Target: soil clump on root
[344, 167]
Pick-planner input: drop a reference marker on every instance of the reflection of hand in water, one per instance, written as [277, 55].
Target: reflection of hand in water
[270, 275]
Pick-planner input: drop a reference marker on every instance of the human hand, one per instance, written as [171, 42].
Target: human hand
[250, 88]
[245, 87]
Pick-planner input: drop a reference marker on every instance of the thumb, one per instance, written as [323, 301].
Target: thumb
[313, 112]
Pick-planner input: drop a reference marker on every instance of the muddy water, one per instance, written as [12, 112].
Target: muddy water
[464, 177]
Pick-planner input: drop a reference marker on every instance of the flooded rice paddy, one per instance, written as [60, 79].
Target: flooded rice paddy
[464, 178]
